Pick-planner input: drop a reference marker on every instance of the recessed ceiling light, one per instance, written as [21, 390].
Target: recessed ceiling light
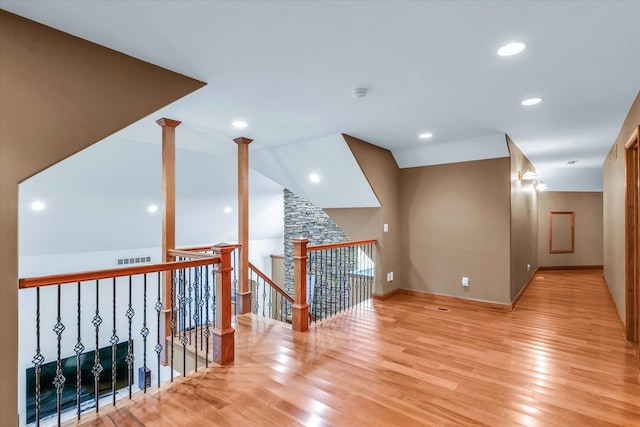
[227, 209]
[425, 135]
[152, 208]
[239, 124]
[314, 178]
[532, 101]
[511, 49]
[37, 206]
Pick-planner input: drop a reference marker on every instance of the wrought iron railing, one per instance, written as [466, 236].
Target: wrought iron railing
[66, 301]
[334, 277]
[188, 253]
[268, 299]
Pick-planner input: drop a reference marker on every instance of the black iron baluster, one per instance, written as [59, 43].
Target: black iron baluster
[159, 307]
[78, 348]
[183, 317]
[130, 358]
[206, 310]
[38, 359]
[264, 295]
[144, 332]
[314, 297]
[235, 280]
[172, 322]
[257, 293]
[369, 288]
[114, 343]
[195, 317]
[97, 367]
[59, 379]
[200, 305]
[213, 297]
[189, 281]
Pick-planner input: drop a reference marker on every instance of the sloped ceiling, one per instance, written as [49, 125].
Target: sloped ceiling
[341, 181]
[288, 69]
[97, 200]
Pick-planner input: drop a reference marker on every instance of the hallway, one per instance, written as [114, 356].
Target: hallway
[559, 359]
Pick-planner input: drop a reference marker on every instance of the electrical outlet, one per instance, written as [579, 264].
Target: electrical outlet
[528, 267]
[465, 281]
[385, 228]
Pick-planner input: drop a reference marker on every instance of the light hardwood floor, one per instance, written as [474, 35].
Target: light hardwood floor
[559, 359]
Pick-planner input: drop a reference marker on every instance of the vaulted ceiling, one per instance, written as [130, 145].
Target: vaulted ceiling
[288, 69]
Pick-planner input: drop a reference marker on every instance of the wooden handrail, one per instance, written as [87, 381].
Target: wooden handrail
[340, 245]
[275, 286]
[188, 254]
[207, 248]
[60, 279]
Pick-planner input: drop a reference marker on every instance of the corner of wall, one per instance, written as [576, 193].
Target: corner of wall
[523, 223]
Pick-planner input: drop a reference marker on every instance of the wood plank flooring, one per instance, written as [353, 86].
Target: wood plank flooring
[559, 359]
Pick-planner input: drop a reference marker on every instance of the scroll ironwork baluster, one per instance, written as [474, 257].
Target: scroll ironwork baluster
[159, 307]
[38, 359]
[144, 332]
[97, 367]
[200, 305]
[114, 345]
[207, 332]
[172, 321]
[195, 317]
[235, 281]
[78, 348]
[59, 379]
[189, 281]
[130, 358]
[264, 295]
[183, 336]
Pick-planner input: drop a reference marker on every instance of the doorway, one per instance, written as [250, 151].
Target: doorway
[632, 238]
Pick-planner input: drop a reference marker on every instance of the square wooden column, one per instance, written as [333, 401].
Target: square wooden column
[243, 295]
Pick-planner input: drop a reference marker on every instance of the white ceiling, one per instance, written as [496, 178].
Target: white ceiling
[288, 68]
[98, 199]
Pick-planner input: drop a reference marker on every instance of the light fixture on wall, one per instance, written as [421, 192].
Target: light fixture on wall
[527, 174]
[541, 186]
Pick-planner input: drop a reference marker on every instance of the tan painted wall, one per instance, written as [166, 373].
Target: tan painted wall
[58, 95]
[455, 222]
[613, 209]
[524, 223]
[588, 227]
[382, 172]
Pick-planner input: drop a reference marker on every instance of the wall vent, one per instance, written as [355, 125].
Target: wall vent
[431, 307]
[133, 260]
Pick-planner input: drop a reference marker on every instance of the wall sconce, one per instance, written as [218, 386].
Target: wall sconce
[541, 186]
[527, 174]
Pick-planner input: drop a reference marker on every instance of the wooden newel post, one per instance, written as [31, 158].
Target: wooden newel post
[223, 333]
[300, 308]
[243, 295]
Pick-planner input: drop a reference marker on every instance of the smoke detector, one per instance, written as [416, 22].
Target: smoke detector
[359, 93]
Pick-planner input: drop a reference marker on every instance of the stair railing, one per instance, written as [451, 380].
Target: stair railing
[78, 307]
[268, 298]
[331, 278]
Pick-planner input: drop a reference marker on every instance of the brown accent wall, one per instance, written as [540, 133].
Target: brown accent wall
[588, 227]
[382, 172]
[613, 209]
[58, 95]
[524, 223]
[454, 223]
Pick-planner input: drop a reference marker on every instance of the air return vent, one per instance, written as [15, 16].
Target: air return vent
[431, 307]
[133, 260]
